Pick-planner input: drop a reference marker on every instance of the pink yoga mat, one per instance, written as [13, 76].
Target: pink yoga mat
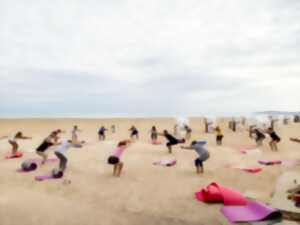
[165, 162]
[217, 193]
[249, 169]
[157, 142]
[253, 211]
[290, 162]
[43, 177]
[269, 162]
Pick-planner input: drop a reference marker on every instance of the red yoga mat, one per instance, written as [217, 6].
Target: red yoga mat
[11, 156]
[216, 193]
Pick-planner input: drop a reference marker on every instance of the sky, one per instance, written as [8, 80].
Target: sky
[148, 58]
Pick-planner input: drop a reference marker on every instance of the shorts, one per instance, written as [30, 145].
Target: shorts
[219, 138]
[170, 143]
[134, 133]
[113, 160]
[276, 139]
[198, 162]
[12, 142]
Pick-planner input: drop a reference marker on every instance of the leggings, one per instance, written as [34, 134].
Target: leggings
[62, 161]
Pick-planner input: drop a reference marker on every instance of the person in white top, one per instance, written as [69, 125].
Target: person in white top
[75, 136]
[60, 151]
[12, 140]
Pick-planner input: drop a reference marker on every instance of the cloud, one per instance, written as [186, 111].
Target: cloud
[148, 58]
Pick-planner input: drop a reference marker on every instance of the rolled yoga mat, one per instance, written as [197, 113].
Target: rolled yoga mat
[218, 194]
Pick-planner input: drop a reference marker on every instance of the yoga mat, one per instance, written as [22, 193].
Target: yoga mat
[253, 211]
[20, 170]
[284, 183]
[250, 151]
[290, 162]
[249, 169]
[269, 162]
[217, 193]
[38, 160]
[46, 177]
[17, 155]
[157, 142]
[165, 162]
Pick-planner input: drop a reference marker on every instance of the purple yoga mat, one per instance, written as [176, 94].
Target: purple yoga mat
[44, 177]
[20, 170]
[253, 211]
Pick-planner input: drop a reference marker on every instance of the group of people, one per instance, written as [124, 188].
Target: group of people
[115, 158]
[260, 137]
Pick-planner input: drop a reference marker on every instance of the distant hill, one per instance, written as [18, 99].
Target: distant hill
[277, 113]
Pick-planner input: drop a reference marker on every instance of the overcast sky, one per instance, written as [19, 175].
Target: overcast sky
[142, 58]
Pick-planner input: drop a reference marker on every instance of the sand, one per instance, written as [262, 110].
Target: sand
[144, 194]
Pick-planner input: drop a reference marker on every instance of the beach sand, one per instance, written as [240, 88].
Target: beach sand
[144, 194]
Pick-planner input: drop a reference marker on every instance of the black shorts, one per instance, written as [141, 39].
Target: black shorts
[198, 162]
[219, 138]
[134, 133]
[276, 139]
[113, 160]
[170, 143]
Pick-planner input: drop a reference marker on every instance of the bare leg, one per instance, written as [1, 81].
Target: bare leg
[120, 167]
[275, 146]
[115, 169]
[201, 169]
[14, 147]
[170, 149]
[271, 145]
[44, 156]
[197, 169]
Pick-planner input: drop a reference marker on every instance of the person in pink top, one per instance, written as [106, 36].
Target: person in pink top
[115, 158]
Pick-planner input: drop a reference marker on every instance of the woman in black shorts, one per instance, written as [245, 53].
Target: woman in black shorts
[171, 140]
[48, 142]
[275, 139]
[134, 133]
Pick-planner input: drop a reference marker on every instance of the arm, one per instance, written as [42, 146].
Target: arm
[295, 140]
[25, 137]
